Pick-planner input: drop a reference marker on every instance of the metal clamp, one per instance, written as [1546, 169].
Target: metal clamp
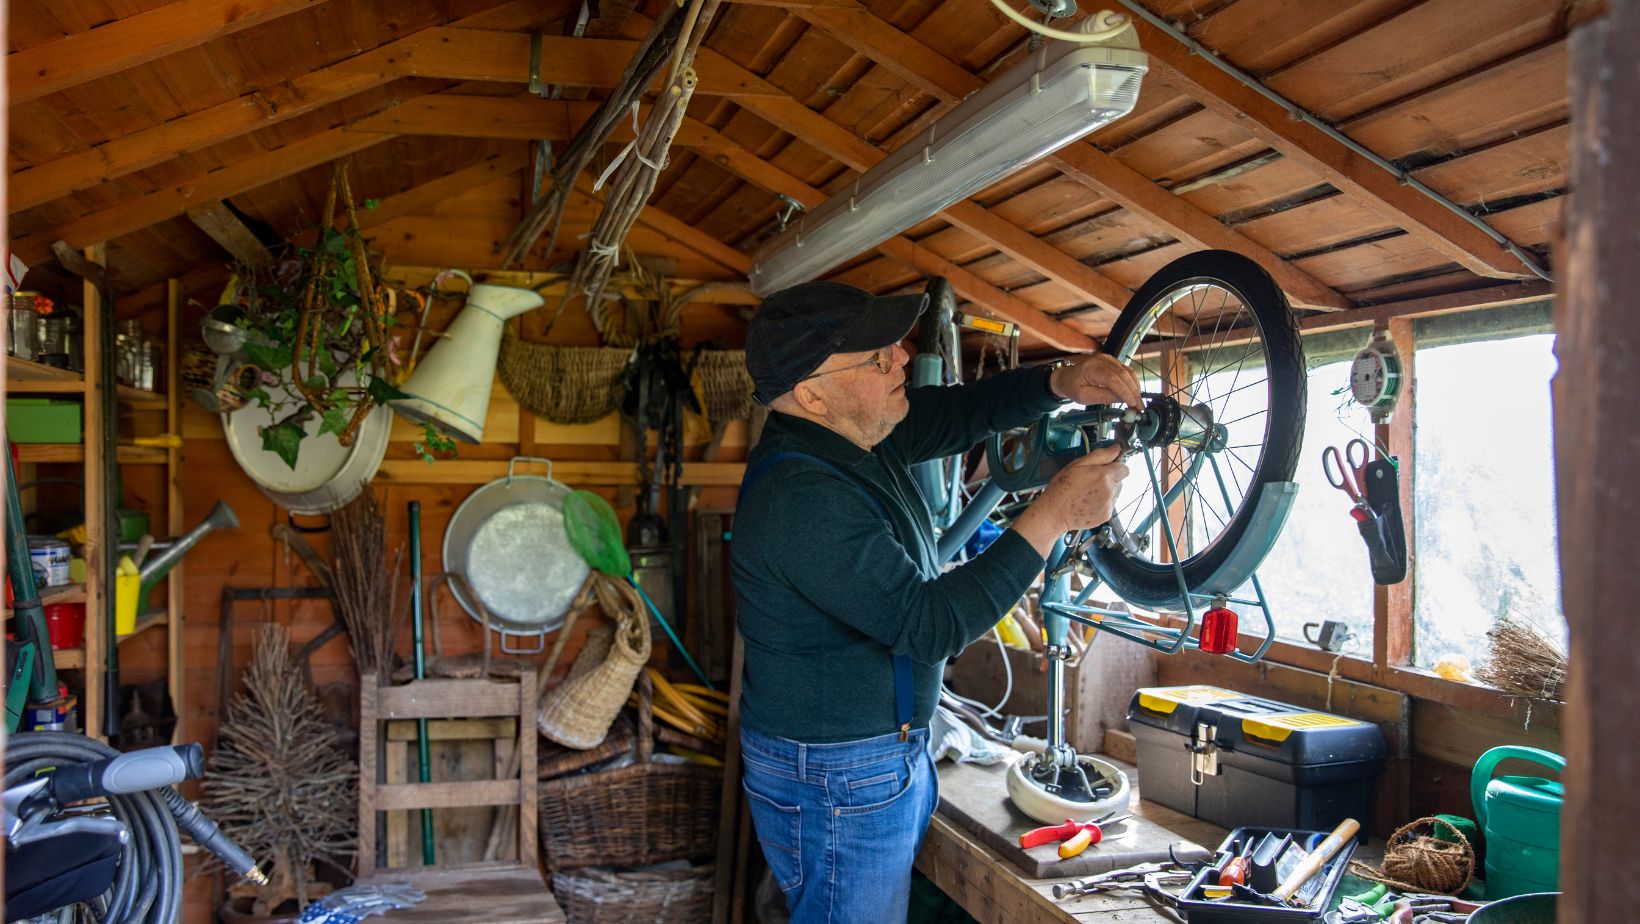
[1204, 754]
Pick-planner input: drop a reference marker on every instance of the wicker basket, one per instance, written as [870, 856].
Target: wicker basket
[634, 816]
[603, 896]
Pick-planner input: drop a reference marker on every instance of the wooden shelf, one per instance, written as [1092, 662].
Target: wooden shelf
[75, 452]
[141, 400]
[26, 377]
[69, 658]
[63, 593]
[146, 621]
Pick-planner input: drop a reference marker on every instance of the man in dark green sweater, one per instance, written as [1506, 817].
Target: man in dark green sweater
[847, 616]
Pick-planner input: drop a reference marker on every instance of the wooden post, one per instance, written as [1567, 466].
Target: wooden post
[174, 638]
[99, 585]
[1393, 605]
[1597, 341]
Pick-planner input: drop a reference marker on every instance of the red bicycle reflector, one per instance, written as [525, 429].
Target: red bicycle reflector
[1218, 634]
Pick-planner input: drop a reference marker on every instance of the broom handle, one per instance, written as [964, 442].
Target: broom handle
[424, 750]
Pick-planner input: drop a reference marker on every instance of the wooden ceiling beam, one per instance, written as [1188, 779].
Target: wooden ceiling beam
[933, 73]
[435, 115]
[1332, 161]
[174, 201]
[133, 40]
[257, 109]
[447, 52]
[221, 224]
[140, 150]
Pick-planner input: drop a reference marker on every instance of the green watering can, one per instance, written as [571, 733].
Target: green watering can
[1520, 816]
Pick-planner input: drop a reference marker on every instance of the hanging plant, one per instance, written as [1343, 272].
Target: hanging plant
[322, 335]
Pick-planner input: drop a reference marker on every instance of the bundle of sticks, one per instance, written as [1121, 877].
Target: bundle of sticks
[635, 180]
[660, 45]
[1524, 661]
[366, 593]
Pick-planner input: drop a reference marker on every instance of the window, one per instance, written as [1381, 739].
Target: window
[1485, 534]
[1318, 567]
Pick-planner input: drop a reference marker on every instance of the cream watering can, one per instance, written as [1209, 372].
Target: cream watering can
[450, 387]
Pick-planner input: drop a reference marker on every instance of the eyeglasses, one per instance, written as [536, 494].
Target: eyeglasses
[883, 359]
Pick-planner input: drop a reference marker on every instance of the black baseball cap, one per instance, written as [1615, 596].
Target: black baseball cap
[797, 328]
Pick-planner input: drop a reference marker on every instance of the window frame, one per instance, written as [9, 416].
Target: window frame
[1390, 665]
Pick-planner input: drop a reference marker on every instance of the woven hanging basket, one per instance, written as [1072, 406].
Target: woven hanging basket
[575, 385]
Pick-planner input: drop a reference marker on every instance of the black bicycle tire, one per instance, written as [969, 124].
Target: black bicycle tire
[1151, 585]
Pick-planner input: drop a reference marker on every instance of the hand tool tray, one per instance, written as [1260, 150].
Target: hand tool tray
[1199, 909]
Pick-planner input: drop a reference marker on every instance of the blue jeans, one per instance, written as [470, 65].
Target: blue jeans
[841, 824]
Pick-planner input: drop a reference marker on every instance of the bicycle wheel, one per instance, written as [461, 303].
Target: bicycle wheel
[1221, 329]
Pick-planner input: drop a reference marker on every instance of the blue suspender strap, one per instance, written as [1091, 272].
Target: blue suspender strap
[905, 694]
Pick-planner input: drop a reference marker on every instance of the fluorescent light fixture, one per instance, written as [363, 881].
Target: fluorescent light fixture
[1059, 94]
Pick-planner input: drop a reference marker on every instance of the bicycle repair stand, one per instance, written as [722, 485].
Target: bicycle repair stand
[1059, 759]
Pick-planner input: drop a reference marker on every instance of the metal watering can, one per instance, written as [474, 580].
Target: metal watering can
[1520, 817]
[157, 566]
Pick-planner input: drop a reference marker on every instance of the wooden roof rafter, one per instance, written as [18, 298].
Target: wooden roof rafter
[1328, 158]
[132, 40]
[932, 72]
[485, 55]
[254, 110]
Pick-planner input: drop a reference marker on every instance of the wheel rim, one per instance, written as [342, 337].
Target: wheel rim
[1223, 373]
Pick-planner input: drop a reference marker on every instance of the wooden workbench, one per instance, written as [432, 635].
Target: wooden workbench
[996, 891]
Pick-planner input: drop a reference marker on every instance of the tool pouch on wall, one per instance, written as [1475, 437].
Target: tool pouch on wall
[1383, 531]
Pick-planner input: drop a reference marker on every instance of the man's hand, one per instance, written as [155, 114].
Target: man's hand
[1081, 496]
[1097, 379]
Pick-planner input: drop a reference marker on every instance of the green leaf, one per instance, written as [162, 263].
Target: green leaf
[284, 440]
[381, 391]
[335, 420]
[316, 382]
[269, 357]
[259, 395]
[327, 363]
[372, 204]
[595, 532]
[334, 242]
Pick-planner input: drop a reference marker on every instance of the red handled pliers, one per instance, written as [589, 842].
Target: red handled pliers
[1077, 835]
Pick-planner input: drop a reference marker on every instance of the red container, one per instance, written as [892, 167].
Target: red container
[65, 623]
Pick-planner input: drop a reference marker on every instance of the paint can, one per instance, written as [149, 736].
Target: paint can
[50, 557]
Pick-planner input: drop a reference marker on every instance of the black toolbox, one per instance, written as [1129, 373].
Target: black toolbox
[1245, 761]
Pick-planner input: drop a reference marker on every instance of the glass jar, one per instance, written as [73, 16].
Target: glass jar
[52, 343]
[21, 337]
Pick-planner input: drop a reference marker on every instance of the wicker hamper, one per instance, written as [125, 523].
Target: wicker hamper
[597, 895]
[634, 816]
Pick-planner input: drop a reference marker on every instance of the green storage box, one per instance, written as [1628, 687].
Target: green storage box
[42, 420]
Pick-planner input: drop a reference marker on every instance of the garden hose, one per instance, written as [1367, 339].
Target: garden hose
[147, 888]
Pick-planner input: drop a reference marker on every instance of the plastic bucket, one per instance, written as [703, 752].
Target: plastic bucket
[65, 624]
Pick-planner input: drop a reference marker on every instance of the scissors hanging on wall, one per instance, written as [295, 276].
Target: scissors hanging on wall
[1373, 487]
